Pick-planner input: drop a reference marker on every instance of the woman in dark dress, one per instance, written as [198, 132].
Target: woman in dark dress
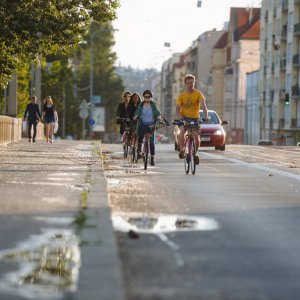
[49, 117]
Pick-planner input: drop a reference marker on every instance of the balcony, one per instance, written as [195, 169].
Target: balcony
[295, 91]
[265, 70]
[283, 63]
[281, 123]
[282, 94]
[295, 123]
[284, 32]
[297, 29]
[296, 60]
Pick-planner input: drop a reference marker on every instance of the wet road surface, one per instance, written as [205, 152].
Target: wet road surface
[251, 195]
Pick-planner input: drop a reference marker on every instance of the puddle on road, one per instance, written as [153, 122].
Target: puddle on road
[48, 265]
[162, 223]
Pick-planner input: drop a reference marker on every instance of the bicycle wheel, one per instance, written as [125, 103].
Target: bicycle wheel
[133, 149]
[133, 153]
[146, 154]
[125, 150]
[187, 158]
[193, 154]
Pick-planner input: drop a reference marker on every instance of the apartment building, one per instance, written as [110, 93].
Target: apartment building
[218, 63]
[198, 61]
[171, 78]
[280, 71]
[252, 117]
[195, 60]
[242, 56]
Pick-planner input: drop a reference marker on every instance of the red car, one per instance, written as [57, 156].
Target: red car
[212, 133]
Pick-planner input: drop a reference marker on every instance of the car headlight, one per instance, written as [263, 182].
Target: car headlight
[218, 132]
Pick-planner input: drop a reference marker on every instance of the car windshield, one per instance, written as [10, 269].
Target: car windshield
[212, 118]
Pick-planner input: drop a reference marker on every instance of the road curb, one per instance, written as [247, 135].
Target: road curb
[100, 274]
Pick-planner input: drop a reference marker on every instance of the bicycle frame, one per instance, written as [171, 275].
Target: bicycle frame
[133, 145]
[126, 136]
[146, 149]
[190, 135]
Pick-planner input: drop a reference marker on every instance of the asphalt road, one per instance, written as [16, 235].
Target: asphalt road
[231, 231]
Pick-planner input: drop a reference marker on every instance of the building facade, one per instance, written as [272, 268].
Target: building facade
[252, 116]
[280, 71]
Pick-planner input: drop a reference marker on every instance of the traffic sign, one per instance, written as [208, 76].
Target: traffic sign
[84, 105]
[96, 99]
[92, 122]
[83, 113]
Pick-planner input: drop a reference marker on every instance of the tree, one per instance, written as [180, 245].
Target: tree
[32, 27]
[106, 83]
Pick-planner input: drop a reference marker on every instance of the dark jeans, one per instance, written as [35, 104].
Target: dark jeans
[30, 124]
[141, 131]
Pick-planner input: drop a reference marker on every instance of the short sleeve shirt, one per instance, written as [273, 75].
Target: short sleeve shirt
[190, 103]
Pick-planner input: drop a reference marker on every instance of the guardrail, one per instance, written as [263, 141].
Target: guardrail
[11, 130]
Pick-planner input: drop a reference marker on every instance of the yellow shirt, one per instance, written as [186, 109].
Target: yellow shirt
[190, 103]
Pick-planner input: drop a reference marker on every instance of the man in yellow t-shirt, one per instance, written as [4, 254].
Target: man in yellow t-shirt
[188, 105]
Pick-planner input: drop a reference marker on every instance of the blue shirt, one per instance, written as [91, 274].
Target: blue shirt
[147, 115]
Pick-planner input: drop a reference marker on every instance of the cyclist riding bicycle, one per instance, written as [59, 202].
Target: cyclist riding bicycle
[123, 111]
[134, 102]
[147, 113]
[188, 105]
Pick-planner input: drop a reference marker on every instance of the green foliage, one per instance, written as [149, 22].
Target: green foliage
[106, 83]
[29, 28]
[23, 94]
[67, 77]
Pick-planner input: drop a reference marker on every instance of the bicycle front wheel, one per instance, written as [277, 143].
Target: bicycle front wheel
[146, 154]
[187, 157]
[193, 155]
[125, 150]
[133, 154]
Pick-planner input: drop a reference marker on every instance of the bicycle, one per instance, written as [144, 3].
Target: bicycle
[126, 136]
[133, 144]
[146, 147]
[189, 146]
[159, 123]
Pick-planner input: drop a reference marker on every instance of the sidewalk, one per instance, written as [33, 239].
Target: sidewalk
[56, 231]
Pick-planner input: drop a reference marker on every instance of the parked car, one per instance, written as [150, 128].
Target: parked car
[212, 132]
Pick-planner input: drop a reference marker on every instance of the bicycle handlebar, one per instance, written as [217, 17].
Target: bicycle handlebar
[185, 122]
[124, 119]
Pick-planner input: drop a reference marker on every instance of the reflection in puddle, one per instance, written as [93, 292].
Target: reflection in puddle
[162, 223]
[49, 265]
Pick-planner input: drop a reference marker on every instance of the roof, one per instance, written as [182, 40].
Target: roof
[245, 22]
[222, 42]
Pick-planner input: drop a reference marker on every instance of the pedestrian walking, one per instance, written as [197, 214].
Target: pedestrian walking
[32, 115]
[50, 117]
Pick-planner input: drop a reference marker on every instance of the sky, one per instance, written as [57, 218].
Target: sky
[144, 26]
